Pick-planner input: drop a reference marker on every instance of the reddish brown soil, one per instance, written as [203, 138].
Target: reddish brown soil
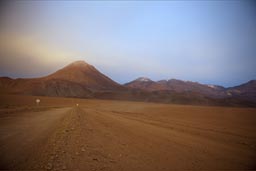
[113, 135]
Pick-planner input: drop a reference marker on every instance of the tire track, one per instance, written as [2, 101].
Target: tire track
[70, 147]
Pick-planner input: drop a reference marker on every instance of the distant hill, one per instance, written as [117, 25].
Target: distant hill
[177, 86]
[245, 91]
[174, 90]
[82, 80]
[78, 79]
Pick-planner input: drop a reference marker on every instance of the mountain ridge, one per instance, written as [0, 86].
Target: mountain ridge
[82, 80]
[243, 92]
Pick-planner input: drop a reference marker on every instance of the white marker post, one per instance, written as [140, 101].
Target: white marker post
[37, 101]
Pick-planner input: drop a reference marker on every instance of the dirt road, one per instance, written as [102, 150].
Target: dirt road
[129, 136]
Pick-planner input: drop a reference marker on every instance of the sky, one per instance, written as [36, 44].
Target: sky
[211, 42]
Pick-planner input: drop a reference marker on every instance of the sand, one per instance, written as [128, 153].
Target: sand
[122, 135]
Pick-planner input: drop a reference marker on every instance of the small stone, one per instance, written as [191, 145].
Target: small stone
[77, 153]
[112, 161]
[95, 159]
[64, 167]
[103, 168]
[48, 166]
[82, 149]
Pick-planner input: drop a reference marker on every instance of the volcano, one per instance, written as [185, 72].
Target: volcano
[82, 80]
[78, 79]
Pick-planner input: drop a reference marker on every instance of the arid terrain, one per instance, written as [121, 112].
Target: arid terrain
[127, 85]
[82, 80]
[120, 135]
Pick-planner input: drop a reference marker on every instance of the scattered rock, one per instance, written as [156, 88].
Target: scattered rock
[112, 161]
[95, 159]
[103, 167]
[64, 167]
[77, 153]
[82, 149]
[48, 166]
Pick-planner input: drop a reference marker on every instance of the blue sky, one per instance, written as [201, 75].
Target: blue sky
[211, 42]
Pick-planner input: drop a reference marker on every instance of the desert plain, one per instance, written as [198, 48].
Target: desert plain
[87, 134]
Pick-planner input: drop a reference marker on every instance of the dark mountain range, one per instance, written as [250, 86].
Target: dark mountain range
[82, 80]
[178, 86]
[244, 91]
[192, 92]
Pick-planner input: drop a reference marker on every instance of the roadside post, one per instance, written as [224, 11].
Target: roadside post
[37, 101]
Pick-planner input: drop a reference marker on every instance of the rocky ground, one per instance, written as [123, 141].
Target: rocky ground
[112, 135]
